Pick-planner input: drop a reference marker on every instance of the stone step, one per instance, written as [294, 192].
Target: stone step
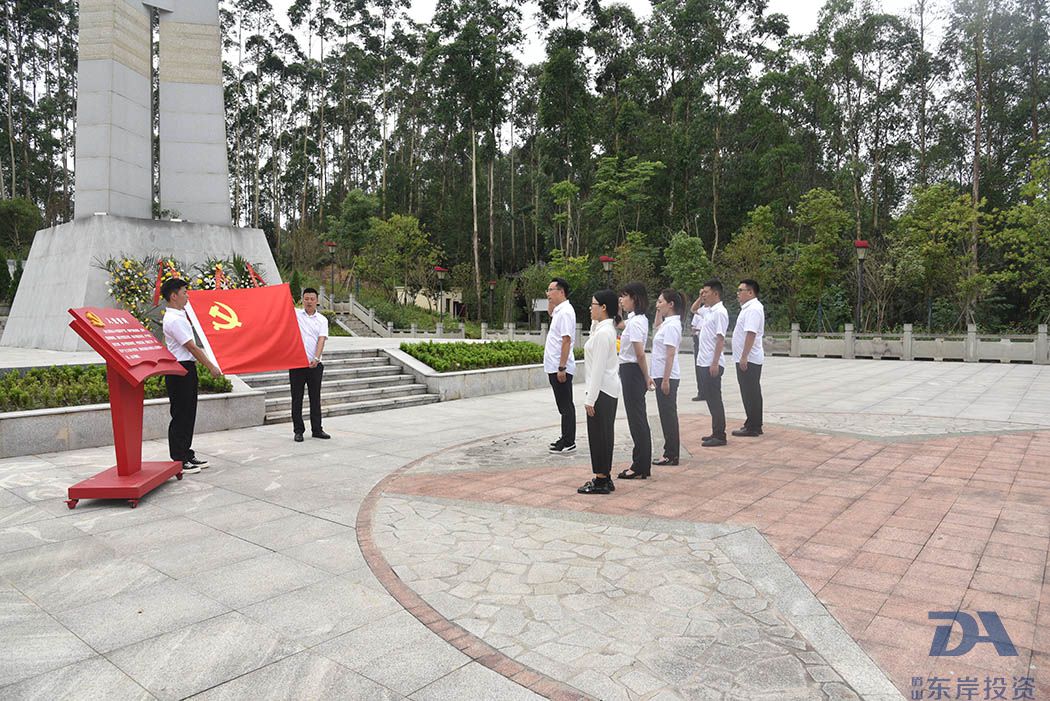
[336, 373]
[359, 407]
[284, 401]
[343, 385]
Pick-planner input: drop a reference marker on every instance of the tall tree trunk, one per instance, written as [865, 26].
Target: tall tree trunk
[492, 218]
[978, 42]
[924, 64]
[8, 28]
[474, 206]
[715, 168]
[513, 215]
[385, 116]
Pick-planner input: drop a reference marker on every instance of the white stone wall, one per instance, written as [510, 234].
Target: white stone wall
[194, 174]
[113, 163]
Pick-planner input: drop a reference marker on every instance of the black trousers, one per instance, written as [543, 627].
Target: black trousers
[600, 434]
[668, 406]
[309, 378]
[633, 383]
[751, 394]
[182, 398]
[715, 406]
[563, 398]
[697, 368]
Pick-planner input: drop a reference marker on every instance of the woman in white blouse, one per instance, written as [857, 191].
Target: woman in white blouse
[634, 378]
[666, 376]
[603, 391]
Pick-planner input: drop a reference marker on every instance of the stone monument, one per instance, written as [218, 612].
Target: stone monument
[114, 165]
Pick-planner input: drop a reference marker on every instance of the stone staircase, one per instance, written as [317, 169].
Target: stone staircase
[355, 381]
[358, 327]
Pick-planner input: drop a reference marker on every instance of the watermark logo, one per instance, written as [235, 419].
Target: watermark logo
[971, 633]
[937, 688]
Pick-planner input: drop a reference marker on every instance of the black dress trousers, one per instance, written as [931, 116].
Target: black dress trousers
[633, 383]
[182, 398]
[600, 434]
[668, 406]
[563, 398]
[309, 378]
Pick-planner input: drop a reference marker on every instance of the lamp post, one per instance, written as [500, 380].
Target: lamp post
[492, 289]
[441, 273]
[862, 253]
[331, 245]
[607, 265]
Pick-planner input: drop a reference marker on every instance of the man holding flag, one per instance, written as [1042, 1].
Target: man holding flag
[314, 328]
[182, 390]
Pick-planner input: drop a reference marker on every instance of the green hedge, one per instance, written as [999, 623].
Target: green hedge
[77, 385]
[452, 357]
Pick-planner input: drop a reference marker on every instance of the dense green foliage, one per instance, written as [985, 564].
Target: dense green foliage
[452, 357]
[413, 144]
[75, 385]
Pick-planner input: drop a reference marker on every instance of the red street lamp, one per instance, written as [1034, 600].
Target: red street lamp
[441, 274]
[607, 266]
[331, 246]
[862, 252]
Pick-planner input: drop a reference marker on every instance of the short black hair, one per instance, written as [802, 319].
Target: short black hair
[747, 282]
[562, 284]
[609, 300]
[716, 285]
[636, 291]
[674, 298]
[171, 286]
[309, 290]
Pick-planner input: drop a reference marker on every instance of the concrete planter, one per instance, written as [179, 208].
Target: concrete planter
[69, 428]
[476, 383]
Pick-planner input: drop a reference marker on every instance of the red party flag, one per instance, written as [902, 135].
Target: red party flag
[248, 330]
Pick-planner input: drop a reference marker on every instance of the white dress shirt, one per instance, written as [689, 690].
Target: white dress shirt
[698, 320]
[312, 327]
[752, 318]
[636, 329]
[668, 336]
[599, 353]
[177, 331]
[716, 323]
[563, 323]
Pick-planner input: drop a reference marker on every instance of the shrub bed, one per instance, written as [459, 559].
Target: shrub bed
[452, 357]
[77, 385]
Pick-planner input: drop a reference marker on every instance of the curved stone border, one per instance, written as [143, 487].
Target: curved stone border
[461, 639]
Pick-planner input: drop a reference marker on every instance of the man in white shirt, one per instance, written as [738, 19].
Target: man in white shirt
[699, 311]
[749, 355]
[182, 390]
[313, 325]
[710, 360]
[559, 363]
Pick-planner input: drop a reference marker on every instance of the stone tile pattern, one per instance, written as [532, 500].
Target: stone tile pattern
[618, 613]
[882, 532]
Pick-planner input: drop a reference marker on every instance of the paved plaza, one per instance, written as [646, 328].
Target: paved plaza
[439, 552]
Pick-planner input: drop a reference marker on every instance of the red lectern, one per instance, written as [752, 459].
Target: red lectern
[132, 354]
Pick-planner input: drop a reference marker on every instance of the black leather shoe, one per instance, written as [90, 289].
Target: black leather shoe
[666, 461]
[698, 398]
[321, 434]
[713, 442]
[706, 438]
[298, 438]
[747, 432]
[596, 486]
[632, 475]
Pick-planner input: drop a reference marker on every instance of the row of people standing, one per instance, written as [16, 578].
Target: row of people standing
[625, 371]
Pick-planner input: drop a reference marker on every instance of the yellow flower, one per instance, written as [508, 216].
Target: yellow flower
[127, 264]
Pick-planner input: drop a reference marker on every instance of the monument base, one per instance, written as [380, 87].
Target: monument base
[110, 484]
[62, 270]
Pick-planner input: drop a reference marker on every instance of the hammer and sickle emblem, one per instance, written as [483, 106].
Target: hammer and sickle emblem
[227, 316]
[95, 321]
